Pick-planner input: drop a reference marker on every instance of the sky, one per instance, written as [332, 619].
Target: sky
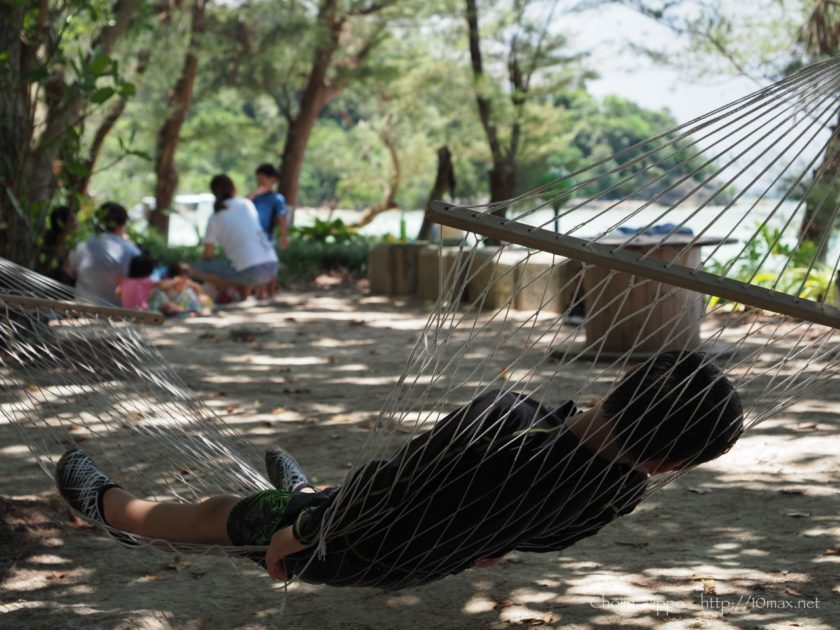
[604, 34]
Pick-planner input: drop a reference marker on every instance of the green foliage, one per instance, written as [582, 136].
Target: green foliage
[156, 246]
[303, 260]
[322, 247]
[767, 261]
[327, 231]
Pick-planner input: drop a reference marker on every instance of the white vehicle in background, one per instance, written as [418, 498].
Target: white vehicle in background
[188, 219]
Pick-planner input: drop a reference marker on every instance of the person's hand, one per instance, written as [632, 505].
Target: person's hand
[283, 543]
[488, 563]
[284, 243]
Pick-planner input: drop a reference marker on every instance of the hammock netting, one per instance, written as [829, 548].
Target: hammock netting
[712, 262]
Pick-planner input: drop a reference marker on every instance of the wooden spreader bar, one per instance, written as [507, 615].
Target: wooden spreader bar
[75, 308]
[499, 228]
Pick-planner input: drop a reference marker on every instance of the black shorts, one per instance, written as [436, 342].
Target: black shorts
[255, 518]
[253, 521]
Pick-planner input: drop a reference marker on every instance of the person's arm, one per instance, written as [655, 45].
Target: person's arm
[210, 238]
[283, 543]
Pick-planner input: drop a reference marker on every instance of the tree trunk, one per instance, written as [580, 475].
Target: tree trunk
[502, 182]
[503, 174]
[15, 131]
[169, 134]
[294, 151]
[316, 95]
[823, 202]
[444, 181]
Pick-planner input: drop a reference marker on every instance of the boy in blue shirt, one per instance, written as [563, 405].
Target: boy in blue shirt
[271, 208]
[271, 205]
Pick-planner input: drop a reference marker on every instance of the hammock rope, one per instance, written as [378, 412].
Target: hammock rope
[754, 165]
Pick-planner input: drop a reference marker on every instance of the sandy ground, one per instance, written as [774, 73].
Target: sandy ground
[749, 541]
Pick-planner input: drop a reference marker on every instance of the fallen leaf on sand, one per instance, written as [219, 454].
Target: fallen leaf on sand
[807, 426]
[797, 514]
[289, 319]
[700, 490]
[542, 620]
[833, 551]
[793, 491]
[278, 410]
[792, 592]
[709, 587]
[504, 603]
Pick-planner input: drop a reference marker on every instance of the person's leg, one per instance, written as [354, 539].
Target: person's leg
[217, 271]
[198, 523]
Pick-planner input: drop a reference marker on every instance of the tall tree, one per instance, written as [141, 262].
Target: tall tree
[821, 37]
[530, 50]
[169, 133]
[777, 39]
[303, 55]
[45, 78]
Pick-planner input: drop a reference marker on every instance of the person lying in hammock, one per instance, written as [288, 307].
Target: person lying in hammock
[502, 473]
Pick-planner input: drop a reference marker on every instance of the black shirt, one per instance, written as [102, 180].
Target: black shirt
[500, 474]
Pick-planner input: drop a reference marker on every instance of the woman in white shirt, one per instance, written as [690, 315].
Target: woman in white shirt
[249, 257]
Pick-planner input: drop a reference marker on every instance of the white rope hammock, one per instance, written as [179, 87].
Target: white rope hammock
[747, 170]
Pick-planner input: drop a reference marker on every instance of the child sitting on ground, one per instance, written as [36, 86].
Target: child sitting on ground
[135, 290]
[502, 473]
[179, 294]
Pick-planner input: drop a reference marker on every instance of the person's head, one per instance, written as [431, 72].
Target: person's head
[223, 189]
[178, 270]
[676, 409]
[266, 175]
[60, 222]
[141, 266]
[113, 217]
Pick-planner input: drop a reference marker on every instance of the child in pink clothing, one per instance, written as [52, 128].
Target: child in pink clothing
[134, 291]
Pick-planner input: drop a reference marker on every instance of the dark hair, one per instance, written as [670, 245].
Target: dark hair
[141, 266]
[267, 169]
[223, 189]
[60, 219]
[112, 216]
[177, 269]
[676, 406]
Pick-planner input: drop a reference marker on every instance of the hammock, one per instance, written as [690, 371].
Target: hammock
[717, 269]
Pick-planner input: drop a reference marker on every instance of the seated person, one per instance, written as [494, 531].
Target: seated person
[98, 263]
[502, 473]
[178, 295]
[135, 289]
[250, 260]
